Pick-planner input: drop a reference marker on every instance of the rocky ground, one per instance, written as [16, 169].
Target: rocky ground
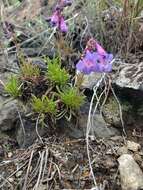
[58, 158]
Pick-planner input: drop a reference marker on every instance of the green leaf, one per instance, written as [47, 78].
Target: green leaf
[13, 87]
[72, 98]
[55, 73]
[43, 105]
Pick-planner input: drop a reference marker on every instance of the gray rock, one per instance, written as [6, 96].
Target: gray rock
[111, 112]
[8, 63]
[27, 136]
[133, 146]
[40, 63]
[19, 173]
[90, 80]
[11, 180]
[78, 130]
[130, 173]
[130, 76]
[122, 150]
[8, 114]
[99, 127]
[69, 129]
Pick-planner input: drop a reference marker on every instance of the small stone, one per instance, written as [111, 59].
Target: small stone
[141, 153]
[122, 150]
[11, 180]
[130, 173]
[110, 163]
[9, 154]
[116, 138]
[90, 80]
[133, 146]
[19, 174]
[8, 115]
[138, 158]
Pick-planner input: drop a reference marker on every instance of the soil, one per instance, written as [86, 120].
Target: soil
[64, 163]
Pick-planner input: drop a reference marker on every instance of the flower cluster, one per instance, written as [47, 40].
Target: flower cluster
[57, 18]
[94, 59]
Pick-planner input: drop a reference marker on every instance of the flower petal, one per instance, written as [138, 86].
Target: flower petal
[100, 49]
[55, 18]
[63, 27]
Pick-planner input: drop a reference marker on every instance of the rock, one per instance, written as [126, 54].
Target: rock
[8, 115]
[99, 127]
[30, 132]
[78, 130]
[130, 173]
[8, 63]
[117, 138]
[122, 150]
[133, 146]
[111, 112]
[42, 187]
[34, 52]
[138, 158]
[68, 128]
[130, 76]
[110, 163]
[19, 173]
[90, 80]
[9, 154]
[40, 63]
[11, 180]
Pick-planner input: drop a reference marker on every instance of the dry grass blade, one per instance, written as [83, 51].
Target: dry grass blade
[40, 171]
[27, 173]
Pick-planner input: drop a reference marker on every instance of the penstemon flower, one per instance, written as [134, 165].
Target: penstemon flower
[87, 64]
[95, 59]
[57, 19]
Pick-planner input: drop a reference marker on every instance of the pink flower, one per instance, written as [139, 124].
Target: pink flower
[95, 61]
[100, 49]
[88, 63]
[62, 26]
[57, 20]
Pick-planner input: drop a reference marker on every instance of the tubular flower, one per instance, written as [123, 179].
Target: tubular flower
[57, 18]
[104, 62]
[95, 59]
[62, 25]
[87, 64]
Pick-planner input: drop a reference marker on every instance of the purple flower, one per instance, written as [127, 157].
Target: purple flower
[100, 49]
[104, 60]
[55, 18]
[104, 63]
[99, 61]
[88, 63]
[62, 26]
